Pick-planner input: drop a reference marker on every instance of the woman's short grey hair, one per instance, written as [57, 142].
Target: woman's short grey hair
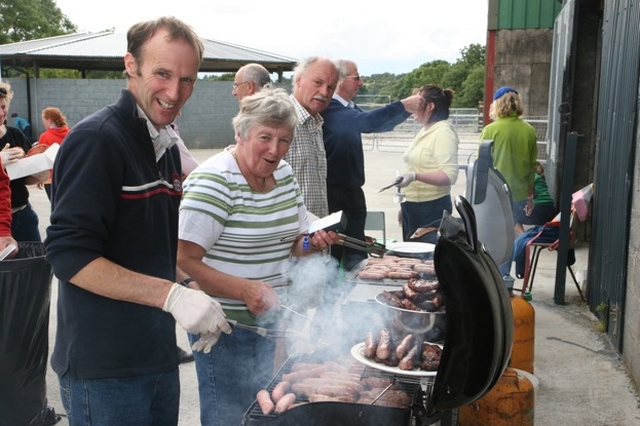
[269, 107]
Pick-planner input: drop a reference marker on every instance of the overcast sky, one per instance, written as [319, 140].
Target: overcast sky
[393, 36]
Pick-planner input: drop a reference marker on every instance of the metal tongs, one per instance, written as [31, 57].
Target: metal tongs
[396, 182]
[261, 331]
[374, 249]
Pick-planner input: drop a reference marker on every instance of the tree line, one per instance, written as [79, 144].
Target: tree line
[23, 20]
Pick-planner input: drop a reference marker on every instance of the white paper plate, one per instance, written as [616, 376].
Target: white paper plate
[358, 350]
[411, 248]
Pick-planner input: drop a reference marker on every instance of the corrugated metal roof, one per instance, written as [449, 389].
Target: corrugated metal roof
[104, 51]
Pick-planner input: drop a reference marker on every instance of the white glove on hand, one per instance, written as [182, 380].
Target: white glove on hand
[197, 313]
[8, 155]
[407, 178]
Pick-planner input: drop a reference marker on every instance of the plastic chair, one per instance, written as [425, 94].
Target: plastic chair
[534, 248]
[375, 222]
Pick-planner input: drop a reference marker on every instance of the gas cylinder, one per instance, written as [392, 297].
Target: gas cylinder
[524, 319]
[510, 402]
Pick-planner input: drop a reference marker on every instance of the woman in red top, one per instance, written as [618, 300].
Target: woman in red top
[56, 129]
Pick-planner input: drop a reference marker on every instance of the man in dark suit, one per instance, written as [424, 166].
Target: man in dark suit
[344, 123]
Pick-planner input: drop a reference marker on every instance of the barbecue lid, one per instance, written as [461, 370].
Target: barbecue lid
[479, 320]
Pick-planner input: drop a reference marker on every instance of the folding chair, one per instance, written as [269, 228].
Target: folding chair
[534, 248]
[375, 222]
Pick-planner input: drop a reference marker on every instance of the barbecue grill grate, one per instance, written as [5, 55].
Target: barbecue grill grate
[341, 413]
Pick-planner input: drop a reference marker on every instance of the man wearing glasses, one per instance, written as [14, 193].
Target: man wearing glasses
[344, 122]
[249, 79]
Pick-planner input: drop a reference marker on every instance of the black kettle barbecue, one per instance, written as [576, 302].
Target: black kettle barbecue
[476, 348]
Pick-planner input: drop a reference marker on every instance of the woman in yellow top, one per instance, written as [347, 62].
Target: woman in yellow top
[431, 165]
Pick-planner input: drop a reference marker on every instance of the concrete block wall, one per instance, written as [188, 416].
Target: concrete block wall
[523, 61]
[205, 121]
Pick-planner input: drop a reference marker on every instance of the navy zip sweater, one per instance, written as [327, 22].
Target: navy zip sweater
[110, 198]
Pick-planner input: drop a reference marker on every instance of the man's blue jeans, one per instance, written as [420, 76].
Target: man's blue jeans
[152, 399]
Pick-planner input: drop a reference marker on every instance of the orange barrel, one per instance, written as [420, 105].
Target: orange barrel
[510, 402]
[524, 319]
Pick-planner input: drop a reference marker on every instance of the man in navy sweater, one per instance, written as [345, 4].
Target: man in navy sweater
[112, 242]
[344, 123]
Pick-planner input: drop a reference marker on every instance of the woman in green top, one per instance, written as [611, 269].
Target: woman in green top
[544, 209]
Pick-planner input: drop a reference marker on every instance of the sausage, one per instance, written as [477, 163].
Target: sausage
[322, 381]
[303, 366]
[332, 366]
[438, 300]
[392, 360]
[409, 293]
[405, 346]
[409, 361]
[407, 304]
[301, 375]
[337, 391]
[402, 275]
[264, 401]
[383, 351]
[423, 286]
[285, 402]
[370, 345]
[369, 274]
[304, 389]
[326, 398]
[391, 300]
[425, 269]
[280, 390]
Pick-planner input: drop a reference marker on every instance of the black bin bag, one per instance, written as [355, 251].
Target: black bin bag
[25, 295]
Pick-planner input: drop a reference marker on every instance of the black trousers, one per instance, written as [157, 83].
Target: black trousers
[353, 205]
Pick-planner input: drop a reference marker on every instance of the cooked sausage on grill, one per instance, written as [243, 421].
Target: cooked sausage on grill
[405, 346]
[422, 286]
[391, 361]
[303, 389]
[372, 274]
[391, 299]
[332, 366]
[264, 401]
[438, 300]
[370, 345]
[301, 375]
[285, 402]
[402, 275]
[383, 351]
[280, 390]
[408, 304]
[409, 293]
[409, 361]
[303, 366]
[324, 398]
[337, 391]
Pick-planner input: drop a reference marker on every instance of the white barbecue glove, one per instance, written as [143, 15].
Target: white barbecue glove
[198, 314]
[407, 178]
[206, 342]
[9, 155]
